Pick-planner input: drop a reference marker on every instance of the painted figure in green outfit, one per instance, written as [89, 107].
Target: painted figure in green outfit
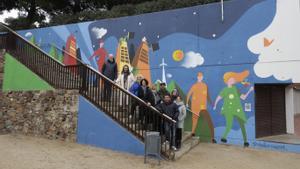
[232, 107]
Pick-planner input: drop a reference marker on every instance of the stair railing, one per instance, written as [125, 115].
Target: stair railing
[128, 110]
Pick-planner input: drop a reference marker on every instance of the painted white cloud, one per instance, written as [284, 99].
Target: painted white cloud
[192, 59]
[99, 32]
[169, 75]
[28, 34]
[278, 45]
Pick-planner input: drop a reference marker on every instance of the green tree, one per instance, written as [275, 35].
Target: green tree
[72, 11]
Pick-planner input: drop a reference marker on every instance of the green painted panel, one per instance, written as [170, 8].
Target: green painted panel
[18, 77]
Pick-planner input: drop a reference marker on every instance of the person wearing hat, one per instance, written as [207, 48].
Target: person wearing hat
[232, 107]
[162, 92]
[199, 97]
[110, 70]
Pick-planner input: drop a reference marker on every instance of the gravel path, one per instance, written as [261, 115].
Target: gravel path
[23, 152]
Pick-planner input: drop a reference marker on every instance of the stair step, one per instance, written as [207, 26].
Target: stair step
[186, 135]
[186, 147]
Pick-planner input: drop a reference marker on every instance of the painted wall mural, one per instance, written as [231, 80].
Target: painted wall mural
[18, 77]
[277, 43]
[193, 50]
[97, 129]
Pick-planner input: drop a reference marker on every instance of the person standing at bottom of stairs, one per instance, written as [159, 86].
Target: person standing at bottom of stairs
[110, 70]
[170, 109]
[180, 123]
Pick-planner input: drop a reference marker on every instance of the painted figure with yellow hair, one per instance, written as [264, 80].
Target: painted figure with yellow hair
[232, 107]
[199, 97]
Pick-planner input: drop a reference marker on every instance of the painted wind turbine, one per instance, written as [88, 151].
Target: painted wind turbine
[163, 64]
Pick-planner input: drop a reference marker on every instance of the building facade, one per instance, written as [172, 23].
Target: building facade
[249, 61]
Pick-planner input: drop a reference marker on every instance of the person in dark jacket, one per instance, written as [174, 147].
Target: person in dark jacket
[110, 70]
[162, 91]
[170, 109]
[146, 95]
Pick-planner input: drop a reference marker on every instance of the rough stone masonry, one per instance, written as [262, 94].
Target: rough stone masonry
[48, 114]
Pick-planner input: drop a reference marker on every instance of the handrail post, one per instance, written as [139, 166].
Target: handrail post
[83, 75]
[173, 134]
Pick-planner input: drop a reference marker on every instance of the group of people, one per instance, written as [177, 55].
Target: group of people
[169, 104]
[172, 104]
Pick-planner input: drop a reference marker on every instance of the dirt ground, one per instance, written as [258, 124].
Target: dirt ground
[22, 152]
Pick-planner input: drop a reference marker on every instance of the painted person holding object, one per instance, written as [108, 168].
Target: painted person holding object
[232, 107]
[199, 97]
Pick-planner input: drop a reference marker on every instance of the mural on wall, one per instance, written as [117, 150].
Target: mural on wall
[199, 99]
[232, 107]
[97, 129]
[99, 54]
[18, 77]
[193, 51]
[276, 45]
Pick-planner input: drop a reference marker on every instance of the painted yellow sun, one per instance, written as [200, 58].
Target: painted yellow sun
[178, 55]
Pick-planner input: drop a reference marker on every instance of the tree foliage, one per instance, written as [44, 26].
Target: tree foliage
[72, 11]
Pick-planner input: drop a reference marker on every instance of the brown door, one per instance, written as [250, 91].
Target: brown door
[270, 116]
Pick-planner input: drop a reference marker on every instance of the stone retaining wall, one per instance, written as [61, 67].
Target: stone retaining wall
[49, 114]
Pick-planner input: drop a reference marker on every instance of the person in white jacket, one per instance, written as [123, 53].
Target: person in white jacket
[180, 122]
[125, 80]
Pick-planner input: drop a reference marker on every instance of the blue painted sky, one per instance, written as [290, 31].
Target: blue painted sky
[198, 29]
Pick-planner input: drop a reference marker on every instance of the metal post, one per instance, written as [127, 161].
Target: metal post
[222, 10]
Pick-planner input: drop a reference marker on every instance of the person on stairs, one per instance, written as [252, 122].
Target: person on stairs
[134, 90]
[146, 95]
[110, 70]
[125, 80]
[174, 94]
[170, 109]
[162, 91]
[180, 123]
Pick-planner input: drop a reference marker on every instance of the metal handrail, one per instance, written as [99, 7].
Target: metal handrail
[83, 77]
[132, 95]
[112, 82]
[68, 54]
[126, 91]
[192, 111]
[19, 36]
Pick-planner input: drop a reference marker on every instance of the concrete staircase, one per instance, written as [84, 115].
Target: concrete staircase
[188, 142]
